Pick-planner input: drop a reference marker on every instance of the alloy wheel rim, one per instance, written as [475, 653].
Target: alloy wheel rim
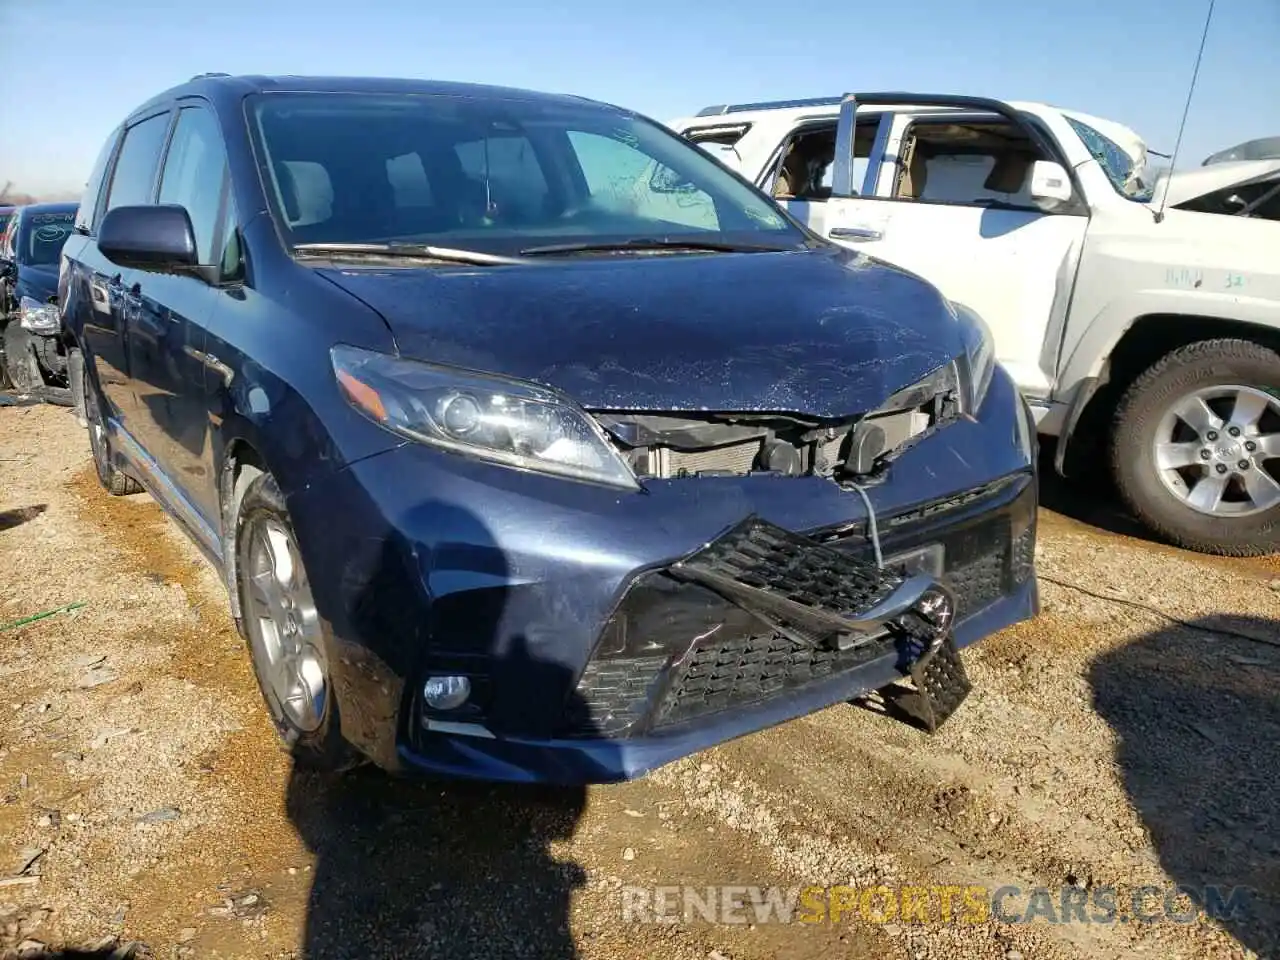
[1217, 450]
[285, 627]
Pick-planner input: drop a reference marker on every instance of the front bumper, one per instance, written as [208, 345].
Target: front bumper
[589, 661]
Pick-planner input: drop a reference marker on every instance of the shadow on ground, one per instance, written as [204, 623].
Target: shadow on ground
[443, 870]
[16, 518]
[1197, 717]
[1087, 495]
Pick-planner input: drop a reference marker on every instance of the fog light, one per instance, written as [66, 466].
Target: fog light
[446, 693]
[932, 616]
[938, 609]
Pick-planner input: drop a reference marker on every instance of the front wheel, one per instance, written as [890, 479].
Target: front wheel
[284, 631]
[1196, 448]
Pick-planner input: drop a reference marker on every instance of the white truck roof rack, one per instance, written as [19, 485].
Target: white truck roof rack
[720, 109]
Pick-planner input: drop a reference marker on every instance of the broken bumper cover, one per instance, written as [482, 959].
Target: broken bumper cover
[605, 634]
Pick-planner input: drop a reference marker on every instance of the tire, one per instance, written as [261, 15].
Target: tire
[315, 743]
[116, 482]
[1155, 495]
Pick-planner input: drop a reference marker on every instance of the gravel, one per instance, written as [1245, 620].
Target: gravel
[1128, 736]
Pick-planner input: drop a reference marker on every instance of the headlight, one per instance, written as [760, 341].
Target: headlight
[504, 421]
[979, 361]
[39, 317]
[941, 383]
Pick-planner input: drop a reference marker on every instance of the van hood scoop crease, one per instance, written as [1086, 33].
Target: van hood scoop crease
[827, 334]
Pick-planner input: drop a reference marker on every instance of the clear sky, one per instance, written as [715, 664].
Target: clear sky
[73, 68]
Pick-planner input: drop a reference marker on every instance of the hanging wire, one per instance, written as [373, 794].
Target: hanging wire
[488, 190]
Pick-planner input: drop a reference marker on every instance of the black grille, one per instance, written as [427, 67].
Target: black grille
[981, 581]
[611, 696]
[721, 673]
[759, 555]
[660, 675]
[1024, 555]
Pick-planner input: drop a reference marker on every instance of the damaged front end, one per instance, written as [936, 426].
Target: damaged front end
[33, 357]
[858, 447]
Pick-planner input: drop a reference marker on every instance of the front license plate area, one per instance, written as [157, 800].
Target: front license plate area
[929, 559]
[940, 685]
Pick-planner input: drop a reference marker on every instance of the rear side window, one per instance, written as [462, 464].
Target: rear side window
[194, 174]
[135, 171]
[86, 217]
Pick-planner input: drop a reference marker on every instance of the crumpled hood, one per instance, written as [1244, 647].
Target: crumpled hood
[37, 282]
[828, 333]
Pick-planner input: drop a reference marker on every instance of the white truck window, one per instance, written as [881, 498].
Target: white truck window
[978, 163]
[1119, 165]
[809, 154]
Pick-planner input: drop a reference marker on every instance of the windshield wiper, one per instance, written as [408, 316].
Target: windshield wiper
[650, 243]
[420, 250]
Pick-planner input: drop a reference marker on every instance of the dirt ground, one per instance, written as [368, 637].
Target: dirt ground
[1129, 736]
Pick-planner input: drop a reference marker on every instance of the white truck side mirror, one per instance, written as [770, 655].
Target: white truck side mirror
[1050, 185]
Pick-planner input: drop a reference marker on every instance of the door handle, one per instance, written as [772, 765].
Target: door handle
[856, 234]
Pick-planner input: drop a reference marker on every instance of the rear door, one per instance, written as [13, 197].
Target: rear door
[111, 297]
[947, 196]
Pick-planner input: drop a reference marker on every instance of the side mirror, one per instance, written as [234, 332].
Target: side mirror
[1050, 185]
[156, 238]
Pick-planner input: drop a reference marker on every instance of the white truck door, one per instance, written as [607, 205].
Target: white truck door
[948, 196]
[800, 173]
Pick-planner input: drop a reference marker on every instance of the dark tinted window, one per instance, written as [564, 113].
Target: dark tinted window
[85, 219]
[493, 174]
[136, 166]
[41, 236]
[194, 170]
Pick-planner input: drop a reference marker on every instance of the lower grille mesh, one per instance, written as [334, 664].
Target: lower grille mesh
[743, 661]
[979, 582]
[611, 696]
[738, 670]
[758, 555]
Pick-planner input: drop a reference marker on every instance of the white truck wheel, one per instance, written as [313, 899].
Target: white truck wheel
[1196, 447]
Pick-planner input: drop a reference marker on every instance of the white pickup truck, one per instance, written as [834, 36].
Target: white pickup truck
[1149, 329]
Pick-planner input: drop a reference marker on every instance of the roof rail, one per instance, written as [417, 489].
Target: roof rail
[722, 108]
[204, 76]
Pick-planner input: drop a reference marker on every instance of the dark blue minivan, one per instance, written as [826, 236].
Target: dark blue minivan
[532, 443]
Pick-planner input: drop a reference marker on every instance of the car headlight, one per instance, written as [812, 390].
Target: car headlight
[979, 360]
[42, 318]
[504, 421]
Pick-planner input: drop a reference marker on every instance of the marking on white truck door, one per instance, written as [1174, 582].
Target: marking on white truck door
[1184, 277]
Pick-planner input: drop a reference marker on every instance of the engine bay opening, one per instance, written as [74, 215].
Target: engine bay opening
[708, 444]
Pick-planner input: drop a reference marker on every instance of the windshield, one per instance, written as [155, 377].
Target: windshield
[42, 236]
[1125, 175]
[495, 175]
